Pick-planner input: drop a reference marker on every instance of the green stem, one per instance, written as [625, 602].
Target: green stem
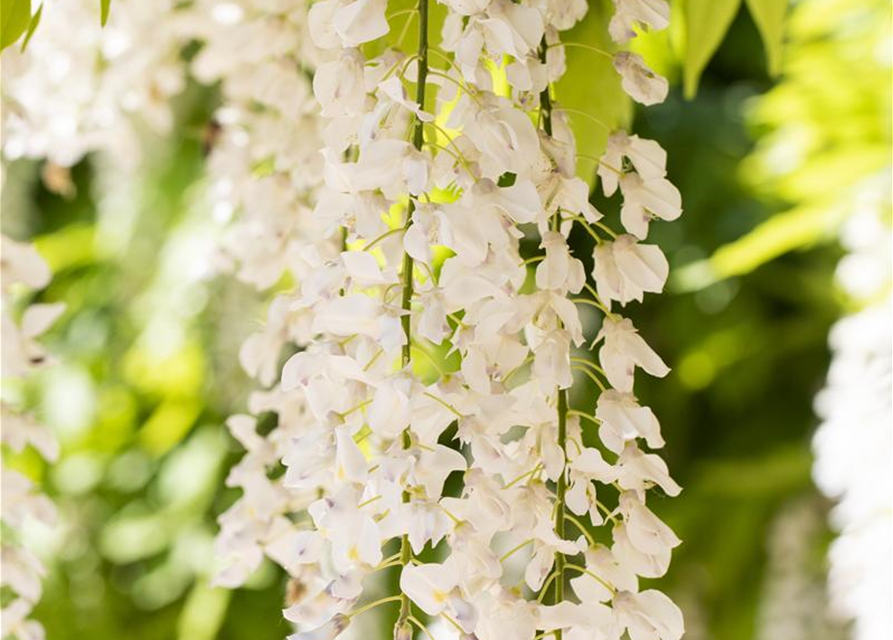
[445, 404]
[590, 375]
[546, 113]
[582, 528]
[561, 491]
[384, 235]
[607, 585]
[545, 96]
[585, 416]
[406, 302]
[545, 587]
[372, 605]
[513, 550]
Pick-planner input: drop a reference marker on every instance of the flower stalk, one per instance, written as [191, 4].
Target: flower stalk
[418, 140]
[562, 408]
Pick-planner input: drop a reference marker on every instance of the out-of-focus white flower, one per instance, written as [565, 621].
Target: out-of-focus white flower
[22, 503]
[794, 596]
[853, 443]
[80, 87]
[654, 14]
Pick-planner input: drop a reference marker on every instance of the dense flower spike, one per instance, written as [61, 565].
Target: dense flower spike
[264, 142]
[432, 176]
[23, 504]
[265, 172]
[430, 397]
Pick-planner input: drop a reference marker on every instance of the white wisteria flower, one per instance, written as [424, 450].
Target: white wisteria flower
[80, 87]
[628, 14]
[428, 401]
[23, 504]
[852, 444]
[638, 80]
[624, 269]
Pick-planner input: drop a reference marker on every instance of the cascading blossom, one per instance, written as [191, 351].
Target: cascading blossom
[264, 142]
[404, 237]
[265, 170]
[431, 178]
[79, 87]
[23, 505]
[852, 445]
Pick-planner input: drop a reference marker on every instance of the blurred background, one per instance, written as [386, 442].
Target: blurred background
[769, 169]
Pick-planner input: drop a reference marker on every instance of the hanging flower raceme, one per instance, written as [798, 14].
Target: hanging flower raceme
[23, 504]
[431, 180]
[80, 87]
[265, 171]
[852, 445]
[264, 140]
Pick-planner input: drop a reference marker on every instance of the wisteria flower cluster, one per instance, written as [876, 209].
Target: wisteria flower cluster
[264, 142]
[428, 405]
[429, 400]
[853, 442]
[23, 505]
[79, 88]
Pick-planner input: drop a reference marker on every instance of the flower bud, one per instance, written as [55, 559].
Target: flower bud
[403, 631]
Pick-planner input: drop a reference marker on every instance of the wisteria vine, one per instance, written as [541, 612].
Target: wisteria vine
[424, 352]
[428, 413]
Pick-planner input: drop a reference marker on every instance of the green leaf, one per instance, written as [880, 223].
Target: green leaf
[798, 228]
[104, 6]
[35, 20]
[706, 24]
[769, 15]
[592, 85]
[15, 16]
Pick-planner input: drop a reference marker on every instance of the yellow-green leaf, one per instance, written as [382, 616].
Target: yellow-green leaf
[769, 16]
[15, 16]
[706, 24]
[104, 6]
[795, 229]
[35, 20]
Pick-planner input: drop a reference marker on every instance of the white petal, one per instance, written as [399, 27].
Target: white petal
[389, 411]
[654, 14]
[623, 419]
[638, 80]
[434, 467]
[21, 262]
[40, 317]
[361, 21]
[348, 315]
[649, 615]
[363, 268]
[350, 464]
[428, 585]
[645, 266]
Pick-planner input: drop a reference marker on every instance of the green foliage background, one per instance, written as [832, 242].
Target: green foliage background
[744, 326]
